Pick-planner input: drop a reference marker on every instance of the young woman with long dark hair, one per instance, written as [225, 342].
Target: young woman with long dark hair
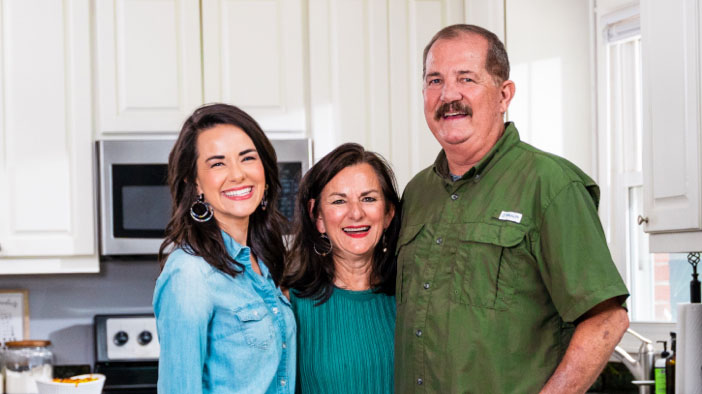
[223, 324]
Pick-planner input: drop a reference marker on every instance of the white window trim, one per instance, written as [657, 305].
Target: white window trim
[655, 331]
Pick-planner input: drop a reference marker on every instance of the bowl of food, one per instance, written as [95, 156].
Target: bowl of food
[80, 384]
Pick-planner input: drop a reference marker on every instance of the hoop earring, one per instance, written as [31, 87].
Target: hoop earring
[201, 211]
[264, 200]
[329, 248]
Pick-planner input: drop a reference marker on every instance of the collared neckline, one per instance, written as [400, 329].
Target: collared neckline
[242, 254]
[509, 138]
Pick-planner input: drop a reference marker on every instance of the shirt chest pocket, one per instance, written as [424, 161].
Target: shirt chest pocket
[485, 271]
[252, 324]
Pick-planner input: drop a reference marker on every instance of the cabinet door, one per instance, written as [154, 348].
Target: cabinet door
[349, 62]
[46, 177]
[253, 58]
[366, 76]
[671, 91]
[148, 63]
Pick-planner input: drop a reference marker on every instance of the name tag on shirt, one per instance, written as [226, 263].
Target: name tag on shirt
[511, 216]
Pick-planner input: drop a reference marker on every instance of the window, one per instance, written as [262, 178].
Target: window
[657, 281]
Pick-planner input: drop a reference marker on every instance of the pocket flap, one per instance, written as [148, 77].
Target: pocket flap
[251, 313]
[407, 234]
[504, 235]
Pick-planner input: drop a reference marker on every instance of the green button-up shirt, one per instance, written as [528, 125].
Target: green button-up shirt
[493, 270]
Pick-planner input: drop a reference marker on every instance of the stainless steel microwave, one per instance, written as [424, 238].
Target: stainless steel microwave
[135, 202]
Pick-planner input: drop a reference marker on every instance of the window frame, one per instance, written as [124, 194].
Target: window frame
[613, 211]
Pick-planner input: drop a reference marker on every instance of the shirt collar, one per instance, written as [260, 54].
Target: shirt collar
[242, 254]
[509, 138]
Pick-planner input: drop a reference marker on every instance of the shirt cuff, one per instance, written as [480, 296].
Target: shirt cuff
[593, 299]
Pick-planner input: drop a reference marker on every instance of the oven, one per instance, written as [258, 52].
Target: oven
[126, 352]
[135, 202]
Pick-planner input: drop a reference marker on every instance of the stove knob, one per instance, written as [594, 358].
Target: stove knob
[120, 338]
[144, 338]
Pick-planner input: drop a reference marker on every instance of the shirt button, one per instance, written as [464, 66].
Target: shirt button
[283, 382]
[454, 197]
[420, 381]
[439, 241]
[426, 286]
[275, 311]
[419, 333]
[285, 345]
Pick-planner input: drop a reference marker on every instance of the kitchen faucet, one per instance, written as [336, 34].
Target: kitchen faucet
[642, 367]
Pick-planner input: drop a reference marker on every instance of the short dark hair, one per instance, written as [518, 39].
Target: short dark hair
[205, 239]
[312, 275]
[496, 61]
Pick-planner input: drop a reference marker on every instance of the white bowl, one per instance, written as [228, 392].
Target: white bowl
[94, 387]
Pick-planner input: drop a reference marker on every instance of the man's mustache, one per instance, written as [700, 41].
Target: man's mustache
[453, 106]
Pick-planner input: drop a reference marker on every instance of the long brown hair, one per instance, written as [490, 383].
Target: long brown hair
[311, 274]
[205, 239]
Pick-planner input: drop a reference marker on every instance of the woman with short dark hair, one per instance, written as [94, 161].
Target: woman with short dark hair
[223, 324]
[342, 273]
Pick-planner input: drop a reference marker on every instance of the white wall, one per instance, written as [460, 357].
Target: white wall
[61, 307]
[548, 42]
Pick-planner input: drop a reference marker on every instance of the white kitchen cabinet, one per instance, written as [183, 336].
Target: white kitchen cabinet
[148, 63]
[253, 57]
[366, 75]
[672, 129]
[46, 178]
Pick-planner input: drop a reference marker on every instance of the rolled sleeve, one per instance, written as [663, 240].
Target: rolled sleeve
[183, 308]
[576, 265]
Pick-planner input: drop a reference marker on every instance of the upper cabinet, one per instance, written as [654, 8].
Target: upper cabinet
[78, 70]
[365, 60]
[672, 145]
[333, 70]
[159, 60]
[148, 61]
[253, 57]
[47, 210]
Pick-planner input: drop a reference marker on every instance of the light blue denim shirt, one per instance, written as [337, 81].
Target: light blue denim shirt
[220, 334]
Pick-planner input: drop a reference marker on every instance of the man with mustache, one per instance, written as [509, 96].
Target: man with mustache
[505, 282]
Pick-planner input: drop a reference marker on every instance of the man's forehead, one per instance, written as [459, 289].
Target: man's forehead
[463, 39]
[465, 47]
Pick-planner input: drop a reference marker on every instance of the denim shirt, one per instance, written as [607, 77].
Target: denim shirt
[220, 334]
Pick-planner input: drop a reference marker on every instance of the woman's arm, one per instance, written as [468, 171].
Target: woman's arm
[183, 307]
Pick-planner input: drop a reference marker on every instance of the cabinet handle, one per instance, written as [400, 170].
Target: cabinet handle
[641, 220]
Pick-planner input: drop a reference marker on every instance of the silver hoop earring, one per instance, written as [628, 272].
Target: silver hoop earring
[329, 248]
[201, 211]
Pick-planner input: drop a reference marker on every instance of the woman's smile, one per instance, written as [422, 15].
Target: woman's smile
[356, 231]
[239, 193]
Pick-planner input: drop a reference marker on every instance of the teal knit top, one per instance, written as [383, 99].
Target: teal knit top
[345, 345]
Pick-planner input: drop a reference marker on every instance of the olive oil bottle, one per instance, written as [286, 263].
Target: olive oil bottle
[670, 367]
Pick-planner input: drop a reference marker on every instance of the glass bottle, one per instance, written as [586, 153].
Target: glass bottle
[24, 363]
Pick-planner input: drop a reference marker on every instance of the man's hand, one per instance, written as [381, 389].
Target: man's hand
[593, 342]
